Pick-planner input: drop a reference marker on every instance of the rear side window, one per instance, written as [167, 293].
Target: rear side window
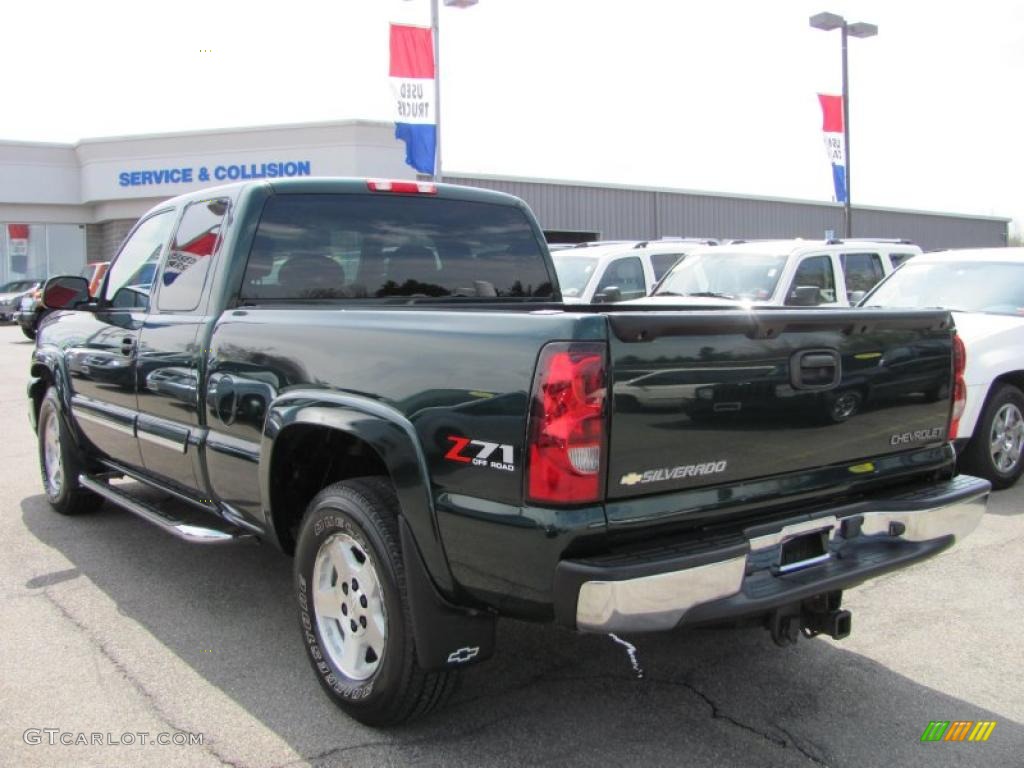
[813, 284]
[663, 262]
[188, 261]
[862, 271]
[898, 258]
[348, 246]
[625, 274]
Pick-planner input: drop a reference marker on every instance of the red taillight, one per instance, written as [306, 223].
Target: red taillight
[566, 431]
[402, 187]
[959, 385]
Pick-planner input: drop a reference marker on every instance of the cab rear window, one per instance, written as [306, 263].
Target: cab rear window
[323, 246]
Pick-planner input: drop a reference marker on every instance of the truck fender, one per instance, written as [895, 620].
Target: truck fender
[391, 435]
[48, 369]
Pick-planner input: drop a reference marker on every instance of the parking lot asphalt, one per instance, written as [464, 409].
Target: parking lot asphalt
[109, 626]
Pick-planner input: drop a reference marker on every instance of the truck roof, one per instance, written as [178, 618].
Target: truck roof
[797, 246]
[345, 185]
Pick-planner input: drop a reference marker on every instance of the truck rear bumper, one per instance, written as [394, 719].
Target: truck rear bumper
[766, 566]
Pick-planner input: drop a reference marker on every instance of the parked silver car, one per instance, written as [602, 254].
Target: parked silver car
[11, 293]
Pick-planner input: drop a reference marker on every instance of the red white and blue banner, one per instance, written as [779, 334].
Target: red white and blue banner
[832, 125]
[412, 83]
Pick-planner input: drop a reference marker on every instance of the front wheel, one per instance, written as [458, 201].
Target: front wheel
[30, 333]
[995, 449]
[353, 606]
[60, 462]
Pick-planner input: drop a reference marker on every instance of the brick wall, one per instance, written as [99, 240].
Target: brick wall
[102, 240]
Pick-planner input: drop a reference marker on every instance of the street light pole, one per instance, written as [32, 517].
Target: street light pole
[828, 21]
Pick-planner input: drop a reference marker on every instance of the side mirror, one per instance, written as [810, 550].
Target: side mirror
[609, 295]
[65, 292]
[855, 297]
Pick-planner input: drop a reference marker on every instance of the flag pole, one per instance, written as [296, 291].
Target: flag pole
[435, 27]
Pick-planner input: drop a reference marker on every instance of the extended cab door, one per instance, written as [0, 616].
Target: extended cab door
[170, 355]
[101, 360]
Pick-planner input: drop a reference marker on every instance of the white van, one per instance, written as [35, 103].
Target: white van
[796, 273]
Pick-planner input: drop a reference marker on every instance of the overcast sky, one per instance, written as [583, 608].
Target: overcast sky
[694, 95]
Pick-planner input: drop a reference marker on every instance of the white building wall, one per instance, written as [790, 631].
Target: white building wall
[38, 174]
[64, 191]
[111, 168]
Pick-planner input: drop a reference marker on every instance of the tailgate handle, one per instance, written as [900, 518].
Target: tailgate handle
[816, 369]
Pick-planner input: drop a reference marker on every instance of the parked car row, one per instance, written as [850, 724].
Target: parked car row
[11, 294]
[796, 273]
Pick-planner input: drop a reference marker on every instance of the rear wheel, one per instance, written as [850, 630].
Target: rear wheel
[996, 448]
[60, 463]
[353, 606]
[30, 333]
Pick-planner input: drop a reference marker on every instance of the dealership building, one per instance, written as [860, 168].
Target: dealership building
[64, 204]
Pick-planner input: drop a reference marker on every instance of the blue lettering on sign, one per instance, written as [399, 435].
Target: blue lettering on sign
[220, 173]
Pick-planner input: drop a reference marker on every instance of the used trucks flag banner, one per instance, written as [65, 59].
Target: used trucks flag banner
[412, 81]
[832, 111]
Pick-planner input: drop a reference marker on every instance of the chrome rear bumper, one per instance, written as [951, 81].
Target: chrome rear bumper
[746, 575]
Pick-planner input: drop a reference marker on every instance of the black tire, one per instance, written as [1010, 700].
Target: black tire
[977, 458]
[30, 333]
[840, 406]
[365, 511]
[66, 497]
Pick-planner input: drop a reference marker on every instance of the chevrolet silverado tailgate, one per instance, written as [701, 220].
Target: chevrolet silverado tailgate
[705, 398]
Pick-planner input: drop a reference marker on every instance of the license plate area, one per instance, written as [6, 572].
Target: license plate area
[802, 551]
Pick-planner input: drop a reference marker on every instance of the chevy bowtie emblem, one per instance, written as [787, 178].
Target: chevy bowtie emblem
[463, 655]
[631, 479]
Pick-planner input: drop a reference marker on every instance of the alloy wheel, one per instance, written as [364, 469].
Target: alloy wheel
[53, 464]
[1006, 439]
[349, 606]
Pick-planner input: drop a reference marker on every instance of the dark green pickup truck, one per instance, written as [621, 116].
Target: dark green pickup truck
[380, 378]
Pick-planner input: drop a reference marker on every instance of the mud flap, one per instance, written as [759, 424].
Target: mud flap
[446, 636]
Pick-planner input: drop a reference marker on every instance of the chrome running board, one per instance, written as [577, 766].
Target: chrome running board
[195, 534]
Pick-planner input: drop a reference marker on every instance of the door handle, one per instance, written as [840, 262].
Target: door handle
[223, 399]
[815, 369]
[127, 345]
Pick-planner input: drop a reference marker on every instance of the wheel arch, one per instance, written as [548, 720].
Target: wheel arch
[45, 372]
[306, 434]
[1016, 378]
[1013, 377]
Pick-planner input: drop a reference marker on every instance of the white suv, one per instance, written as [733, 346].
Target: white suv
[605, 272]
[796, 273]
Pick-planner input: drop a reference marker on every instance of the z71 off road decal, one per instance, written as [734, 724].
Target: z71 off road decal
[480, 453]
[674, 473]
